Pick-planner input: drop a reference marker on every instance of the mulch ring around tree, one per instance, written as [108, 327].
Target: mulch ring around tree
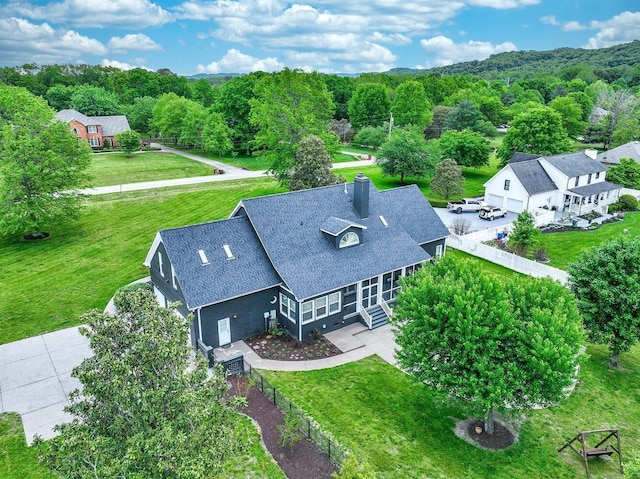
[472, 431]
[283, 347]
[302, 461]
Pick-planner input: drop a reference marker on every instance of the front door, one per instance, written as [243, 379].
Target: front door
[369, 292]
[224, 332]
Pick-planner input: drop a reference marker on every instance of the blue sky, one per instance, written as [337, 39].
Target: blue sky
[330, 36]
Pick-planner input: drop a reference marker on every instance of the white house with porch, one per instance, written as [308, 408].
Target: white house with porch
[573, 182]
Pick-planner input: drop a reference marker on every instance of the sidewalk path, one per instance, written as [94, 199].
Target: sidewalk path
[230, 173]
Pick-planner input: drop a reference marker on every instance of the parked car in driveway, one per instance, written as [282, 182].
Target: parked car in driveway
[465, 204]
[491, 212]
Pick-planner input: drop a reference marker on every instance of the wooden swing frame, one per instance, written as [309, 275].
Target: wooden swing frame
[600, 449]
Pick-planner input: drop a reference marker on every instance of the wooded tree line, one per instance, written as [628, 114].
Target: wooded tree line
[267, 115]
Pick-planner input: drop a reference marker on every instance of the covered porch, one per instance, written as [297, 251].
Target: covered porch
[594, 197]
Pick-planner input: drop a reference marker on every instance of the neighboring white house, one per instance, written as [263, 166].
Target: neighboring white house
[613, 156]
[572, 182]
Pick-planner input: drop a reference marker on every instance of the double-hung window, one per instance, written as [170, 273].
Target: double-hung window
[92, 129]
[307, 312]
[287, 307]
[334, 303]
[321, 307]
[94, 141]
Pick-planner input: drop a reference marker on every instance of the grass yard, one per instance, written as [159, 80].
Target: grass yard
[487, 266]
[116, 169]
[378, 413]
[565, 247]
[80, 266]
[18, 461]
[241, 160]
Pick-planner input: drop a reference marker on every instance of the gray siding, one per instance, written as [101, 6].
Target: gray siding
[249, 311]
[431, 247]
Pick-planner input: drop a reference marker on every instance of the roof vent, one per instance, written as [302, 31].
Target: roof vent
[384, 221]
[203, 257]
[227, 250]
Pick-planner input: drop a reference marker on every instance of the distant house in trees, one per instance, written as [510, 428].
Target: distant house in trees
[572, 182]
[597, 114]
[99, 131]
[312, 260]
[628, 150]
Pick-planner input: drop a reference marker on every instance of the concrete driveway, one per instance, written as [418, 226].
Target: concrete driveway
[476, 222]
[35, 378]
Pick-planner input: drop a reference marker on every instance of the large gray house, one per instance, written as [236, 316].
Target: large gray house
[315, 259]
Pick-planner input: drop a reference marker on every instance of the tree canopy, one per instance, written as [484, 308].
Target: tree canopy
[606, 281]
[467, 147]
[486, 343]
[288, 106]
[538, 131]
[145, 409]
[410, 105]
[312, 167]
[41, 164]
[369, 106]
[625, 173]
[448, 180]
[406, 154]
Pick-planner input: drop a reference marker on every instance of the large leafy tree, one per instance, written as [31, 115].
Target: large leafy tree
[369, 105]
[95, 101]
[407, 154]
[371, 137]
[606, 281]
[464, 115]
[216, 135]
[146, 409]
[467, 147]
[448, 180]
[169, 114]
[620, 104]
[525, 233]
[410, 105]
[192, 125]
[129, 141]
[41, 164]
[313, 166]
[626, 173]
[571, 114]
[539, 131]
[485, 343]
[288, 106]
[140, 114]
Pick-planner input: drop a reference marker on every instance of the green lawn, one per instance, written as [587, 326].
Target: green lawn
[117, 169]
[240, 160]
[54, 281]
[377, 412]
[565, 247]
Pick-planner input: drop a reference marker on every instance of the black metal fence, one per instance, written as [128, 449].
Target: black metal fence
[309, 428]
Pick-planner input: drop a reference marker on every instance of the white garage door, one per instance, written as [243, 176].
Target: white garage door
[495, 200]
[514, 205]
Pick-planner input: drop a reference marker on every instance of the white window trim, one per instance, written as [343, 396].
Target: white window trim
[92, 129]
[290, 306]
[173, 278]
[160, 265]
[317, 303]
[312, 310]
[439, 250]
[338, 303]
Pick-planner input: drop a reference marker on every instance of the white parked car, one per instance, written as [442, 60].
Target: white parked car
[491, 212]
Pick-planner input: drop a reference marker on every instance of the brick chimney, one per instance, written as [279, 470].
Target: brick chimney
[361, 195]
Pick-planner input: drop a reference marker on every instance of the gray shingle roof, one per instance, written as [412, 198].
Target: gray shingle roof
[575, 164]
[222, 278]
[289, 227]
[628, 150]
[595, 188]
[334, 226]
[518, 156]
[533, 177]
[111, 125]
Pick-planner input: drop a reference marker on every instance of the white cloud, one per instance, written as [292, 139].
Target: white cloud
[446, 52]
[390, 38]
[235, 61]
[550, 20]
[503, 4]
[572, 26]
[133, 41]
[620, 29]
[121, 65]
[22, 41]
[93, 14]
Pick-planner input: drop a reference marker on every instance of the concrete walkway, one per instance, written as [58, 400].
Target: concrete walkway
[35, 373]
[230, 173]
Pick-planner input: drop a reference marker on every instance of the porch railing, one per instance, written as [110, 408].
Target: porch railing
[386, 308]
[366, 317]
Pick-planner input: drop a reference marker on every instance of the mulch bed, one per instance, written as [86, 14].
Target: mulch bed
[302, 461]
[285, 348]
[500, 439]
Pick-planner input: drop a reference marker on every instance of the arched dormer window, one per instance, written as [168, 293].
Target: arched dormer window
[349, 239]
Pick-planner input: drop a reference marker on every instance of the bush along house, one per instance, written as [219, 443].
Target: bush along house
[316, 259]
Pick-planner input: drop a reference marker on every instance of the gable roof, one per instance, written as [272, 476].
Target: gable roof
[334, 226]
[111, 124]
[628, 150]
[575, 164]
[519, 156]
[222, 278]
[289, 228]
[595, 188]
[533, 176]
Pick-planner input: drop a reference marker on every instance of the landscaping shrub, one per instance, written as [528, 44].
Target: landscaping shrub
[626, 203]
[119, 297]
[540, 255]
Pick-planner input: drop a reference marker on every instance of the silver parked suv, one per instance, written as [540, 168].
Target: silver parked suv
[491, 212]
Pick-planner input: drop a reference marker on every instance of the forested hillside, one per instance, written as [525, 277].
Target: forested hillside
[606, 63]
